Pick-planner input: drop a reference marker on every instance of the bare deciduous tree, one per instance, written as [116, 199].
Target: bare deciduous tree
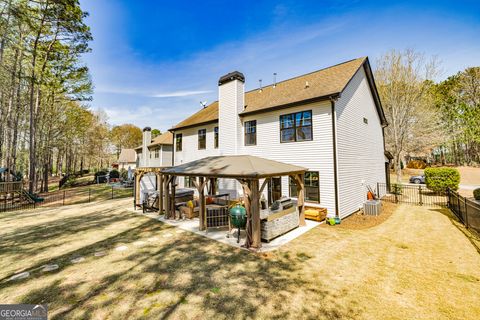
[403, 84]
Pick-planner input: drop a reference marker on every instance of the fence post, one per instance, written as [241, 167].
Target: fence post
[63, 203]
[420, 195]
[458, 208]
[378, 190]
[448, 198]
[466, 214]
[396, 192]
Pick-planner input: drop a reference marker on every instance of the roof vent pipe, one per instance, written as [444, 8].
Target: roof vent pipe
[307, 85]
[274, 79]
[260, 81]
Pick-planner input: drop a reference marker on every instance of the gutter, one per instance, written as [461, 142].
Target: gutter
[292, 104]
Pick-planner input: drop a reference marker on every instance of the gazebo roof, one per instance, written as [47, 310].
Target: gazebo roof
[239, 166]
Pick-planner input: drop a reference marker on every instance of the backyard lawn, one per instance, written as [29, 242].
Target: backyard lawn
[414, 265]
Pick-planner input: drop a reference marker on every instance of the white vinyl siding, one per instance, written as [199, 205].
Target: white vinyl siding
[315, 155]
[190, 150]
[231, 103]
[164, 158]
[166, 155]
[360, 150]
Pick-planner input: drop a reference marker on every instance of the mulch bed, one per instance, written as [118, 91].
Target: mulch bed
[359, 221]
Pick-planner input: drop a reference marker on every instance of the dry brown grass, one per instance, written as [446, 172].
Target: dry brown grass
[414, 265]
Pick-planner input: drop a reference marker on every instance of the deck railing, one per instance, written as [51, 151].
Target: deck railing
[7, 187]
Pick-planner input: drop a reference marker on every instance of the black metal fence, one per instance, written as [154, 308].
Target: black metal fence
[466, 210]
[65, 197]
[411, 194]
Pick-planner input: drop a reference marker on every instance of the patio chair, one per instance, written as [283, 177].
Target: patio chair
[149, 201]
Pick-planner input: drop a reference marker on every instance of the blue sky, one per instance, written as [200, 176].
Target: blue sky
[152, 62]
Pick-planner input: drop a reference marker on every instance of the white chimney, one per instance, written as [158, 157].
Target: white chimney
[146, 140]
[231, 101]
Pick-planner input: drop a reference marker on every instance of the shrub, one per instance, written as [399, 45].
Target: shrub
[476, 194]
[124, 174]
[71, 179]
[114, 174]
[396, 188]
[440, 179]
[100, 174]
[416, 164]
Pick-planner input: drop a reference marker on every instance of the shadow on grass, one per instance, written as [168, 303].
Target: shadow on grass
[109, 243]
[474, 240]
[19, 242]
[216, 279]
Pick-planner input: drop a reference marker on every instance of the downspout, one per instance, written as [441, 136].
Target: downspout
[335, 166]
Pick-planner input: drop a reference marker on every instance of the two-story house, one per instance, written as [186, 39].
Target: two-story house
[155, 152]
[330, 121]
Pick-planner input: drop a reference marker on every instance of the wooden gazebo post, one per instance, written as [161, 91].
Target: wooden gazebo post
[160, 192]
[299, 181]
[200, 185]
[246, 200]
[138, 178]
[173, 181]
[134, 192]
[166, 186]
[255, 213]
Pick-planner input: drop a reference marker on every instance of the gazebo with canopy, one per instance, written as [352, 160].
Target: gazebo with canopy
[248, 171]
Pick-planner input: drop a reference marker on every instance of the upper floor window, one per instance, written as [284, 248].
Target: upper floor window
[202, 139]
[251, 133]
[296, 126]
[215, 137]
[178, 142]
[157, 153]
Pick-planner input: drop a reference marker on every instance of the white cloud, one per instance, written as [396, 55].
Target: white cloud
[179, 94]
[140, 92]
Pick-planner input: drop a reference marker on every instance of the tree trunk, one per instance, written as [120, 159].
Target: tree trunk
[398, 168]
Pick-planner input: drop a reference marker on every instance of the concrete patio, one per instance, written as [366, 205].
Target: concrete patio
[222, 235]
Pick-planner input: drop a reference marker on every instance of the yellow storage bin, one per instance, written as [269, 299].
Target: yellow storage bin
[317, 214]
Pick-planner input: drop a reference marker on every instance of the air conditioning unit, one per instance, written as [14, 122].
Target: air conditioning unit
[372, 207]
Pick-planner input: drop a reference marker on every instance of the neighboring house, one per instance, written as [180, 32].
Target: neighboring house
[158, 151]
[330, 121]
[127, 159]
